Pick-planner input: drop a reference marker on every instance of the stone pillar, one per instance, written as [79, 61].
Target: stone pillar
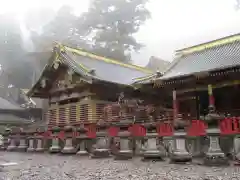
[138, 147]
[82, 138]
[179, 152]
[194, 146]
[40, 142]
[237, 148]
[214, 155]
[12, 146]
[23, 144]
[153, 149]
[82, 148]
[31, 143]
[68, 146]
[125, 152]
[227, 146]
[101, 149]
[55, 146]
[39, 147]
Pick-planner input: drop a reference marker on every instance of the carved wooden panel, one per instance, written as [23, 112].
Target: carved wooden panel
[111, 112]
[141, 114]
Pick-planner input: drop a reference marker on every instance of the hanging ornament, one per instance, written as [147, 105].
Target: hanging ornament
[56, 65]
[70, 72]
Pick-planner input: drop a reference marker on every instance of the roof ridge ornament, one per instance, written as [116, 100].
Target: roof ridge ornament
[56, 64]
[158, 73]
[92, 71]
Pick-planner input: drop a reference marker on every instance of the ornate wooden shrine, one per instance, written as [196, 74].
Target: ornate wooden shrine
[203, 75]
[204, 83]
[79, 84]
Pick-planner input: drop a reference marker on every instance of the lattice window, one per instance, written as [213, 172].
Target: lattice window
[99, 112]
[52, 117]
[112, 112]
[73, 114]
[84, 108]
[62, 116]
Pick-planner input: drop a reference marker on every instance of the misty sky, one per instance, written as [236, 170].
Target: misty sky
[175, 24]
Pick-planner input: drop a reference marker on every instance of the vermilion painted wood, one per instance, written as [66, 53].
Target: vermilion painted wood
[165, 129]
[75, 134]
[61, 135]
[197, 128]
[91, 131]
[138, 130]
[113, 131]
[230, 126]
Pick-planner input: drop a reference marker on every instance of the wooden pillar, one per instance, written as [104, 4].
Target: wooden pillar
[175, 105]
[211, 99]
[197, 105]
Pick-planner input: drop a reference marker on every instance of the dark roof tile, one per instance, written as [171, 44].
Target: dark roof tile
[110, 72]
[6, 105]
[215, 58]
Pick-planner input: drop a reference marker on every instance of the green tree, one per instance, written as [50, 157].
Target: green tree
[112, 24]
[62, 28]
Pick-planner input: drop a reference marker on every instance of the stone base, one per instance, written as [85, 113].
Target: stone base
[215, 159]
[123, 155]
[140, 153]
[100, 153]
[11, 148]
[69, 150]
[22, 148]
[30, 150]
[55, 149]
[82, 153]
[40, 150]
[3, 148]
[180, 157]
[153, 155]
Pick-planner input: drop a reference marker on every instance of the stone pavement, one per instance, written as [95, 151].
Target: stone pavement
[57, 167]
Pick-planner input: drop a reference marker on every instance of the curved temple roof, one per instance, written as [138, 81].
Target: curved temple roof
[84, 63]
[107, 69]
[215, 55]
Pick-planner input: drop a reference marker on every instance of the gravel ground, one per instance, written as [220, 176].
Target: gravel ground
[56, 167]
